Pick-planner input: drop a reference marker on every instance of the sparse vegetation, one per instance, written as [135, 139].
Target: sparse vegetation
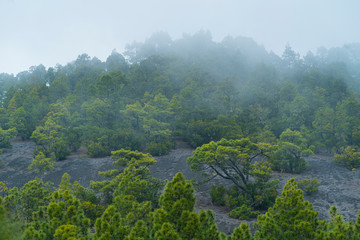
[350, 158]
[42, 164]
[309, 186]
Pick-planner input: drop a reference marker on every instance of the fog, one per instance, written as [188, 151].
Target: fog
[51, 32]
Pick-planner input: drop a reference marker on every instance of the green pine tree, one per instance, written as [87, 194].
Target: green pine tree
[290, 218]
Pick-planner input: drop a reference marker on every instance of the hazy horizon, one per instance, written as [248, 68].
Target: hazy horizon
[43, 32]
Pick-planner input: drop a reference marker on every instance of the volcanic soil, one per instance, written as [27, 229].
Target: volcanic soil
[339, 186]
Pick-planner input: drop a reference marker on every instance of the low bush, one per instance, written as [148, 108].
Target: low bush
[235, 200]
[5, 136]
[127, 138]
[230, 197]
[309, 186]
[243, 212]
[218, 195]
[350, 158]
[159, 148]
[288, 155]
[96, 149]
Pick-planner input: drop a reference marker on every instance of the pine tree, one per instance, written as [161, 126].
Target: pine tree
[33, 195]
[178, 197]
[9, 229]
[207, 225]
[241, 232]
[41, 163]
[139, 231]
[290, 218]
[189, 226]
[167, 232]
[337, 228]
[63, 214]
[177, 209]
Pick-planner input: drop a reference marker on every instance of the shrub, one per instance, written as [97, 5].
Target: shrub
[61, 150]
[58, 152]
[200, 132]
[160, 148]
[243, 212]
[41, 163]
[125, 139]
[239, 203]
[234, 198]
[230, 197]
[350, 157]
[92, 211]
[96, 149]
[5, 136]
[218, 195]
[290, 152]
[309, 186]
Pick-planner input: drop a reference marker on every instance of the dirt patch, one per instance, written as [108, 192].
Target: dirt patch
[14, 167]
[339, 186]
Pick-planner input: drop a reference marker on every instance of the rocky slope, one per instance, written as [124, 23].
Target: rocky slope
[339, 186]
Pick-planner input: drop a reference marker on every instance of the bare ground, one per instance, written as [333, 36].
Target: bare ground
[15, 163]
[339, 186]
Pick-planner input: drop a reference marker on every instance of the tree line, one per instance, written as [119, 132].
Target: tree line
[192, 88]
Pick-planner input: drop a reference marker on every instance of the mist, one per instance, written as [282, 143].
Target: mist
[48, 33]
[238, 96]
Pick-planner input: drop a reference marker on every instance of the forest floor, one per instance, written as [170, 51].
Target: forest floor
[339, 186]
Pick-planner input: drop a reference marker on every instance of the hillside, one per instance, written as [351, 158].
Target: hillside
[231, 108]
[333, 179]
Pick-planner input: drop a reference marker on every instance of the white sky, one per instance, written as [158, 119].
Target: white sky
[48, 32]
